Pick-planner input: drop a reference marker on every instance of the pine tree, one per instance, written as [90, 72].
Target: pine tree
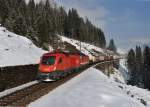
[22, 8]
[82, 31]
[89, 30]
[10, 20]
[112, 46]
[131, 66]
[4, 9]
[139, 67]
[102, 40]
[31, 12]
[43, 33]
[61, 20]
[147, 67]
[20, 26]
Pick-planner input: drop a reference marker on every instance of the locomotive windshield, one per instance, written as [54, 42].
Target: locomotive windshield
[48, 60]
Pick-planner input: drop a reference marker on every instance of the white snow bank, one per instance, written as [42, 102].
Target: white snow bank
[90, 89]
[17, 50]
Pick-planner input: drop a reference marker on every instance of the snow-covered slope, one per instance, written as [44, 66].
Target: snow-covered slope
[139, 94]
[17, 50]
[123, 69]
[121, 75]
[85, 47]
[90, 89]
[117, 76]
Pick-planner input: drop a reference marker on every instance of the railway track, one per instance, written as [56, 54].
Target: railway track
[29, 94]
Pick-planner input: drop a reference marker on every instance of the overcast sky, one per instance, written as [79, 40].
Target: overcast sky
[127, 21]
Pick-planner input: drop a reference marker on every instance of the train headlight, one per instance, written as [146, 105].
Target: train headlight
[54, 68]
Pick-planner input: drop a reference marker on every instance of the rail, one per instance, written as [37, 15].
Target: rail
[29, 94]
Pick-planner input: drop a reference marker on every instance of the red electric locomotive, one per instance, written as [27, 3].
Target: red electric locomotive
[54, 65]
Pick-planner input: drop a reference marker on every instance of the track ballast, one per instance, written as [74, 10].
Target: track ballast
[29, 94]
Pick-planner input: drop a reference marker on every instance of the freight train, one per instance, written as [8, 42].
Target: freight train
[55, 65]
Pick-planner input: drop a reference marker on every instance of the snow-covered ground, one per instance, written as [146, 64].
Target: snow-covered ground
[90, 89]
[85, 47]
[139, 94]
[17, 50]
[123, 69]
[120, 75]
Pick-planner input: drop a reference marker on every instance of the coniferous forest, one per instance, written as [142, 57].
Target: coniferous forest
[41, 22]
[139, 67]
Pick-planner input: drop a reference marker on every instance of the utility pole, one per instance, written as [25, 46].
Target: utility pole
[80, 46]
[80, 52]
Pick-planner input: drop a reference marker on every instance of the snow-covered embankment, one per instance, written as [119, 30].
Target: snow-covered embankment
[90, 89]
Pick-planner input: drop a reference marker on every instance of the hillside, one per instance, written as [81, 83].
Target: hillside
[42, 21]
[17, 50]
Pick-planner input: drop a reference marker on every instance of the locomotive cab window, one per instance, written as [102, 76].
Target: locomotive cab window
[60, 60]
[48, 60]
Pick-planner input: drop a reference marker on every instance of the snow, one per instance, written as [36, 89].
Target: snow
[89, 89]
[9, 91]
[123, 69]
[135, 92]
[17, 50]
[85, 47]
[121, 51]
[120, 75]
[117, 76]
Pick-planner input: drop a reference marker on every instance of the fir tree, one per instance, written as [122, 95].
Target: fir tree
[131, 66]
[112, 46]
[139, 72]
[4, 9]
[147, 67]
